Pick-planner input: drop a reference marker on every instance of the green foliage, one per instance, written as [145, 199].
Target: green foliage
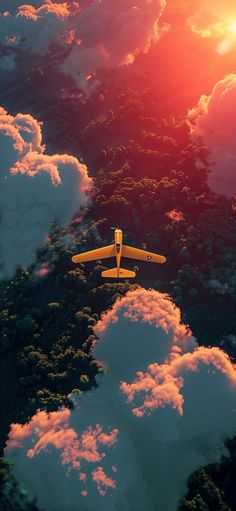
[4, 471]
[54, 305]
[203, 494]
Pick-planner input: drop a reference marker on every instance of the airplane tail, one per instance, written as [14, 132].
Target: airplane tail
[114, 273]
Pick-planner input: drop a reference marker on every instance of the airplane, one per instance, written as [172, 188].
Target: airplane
[118, 250]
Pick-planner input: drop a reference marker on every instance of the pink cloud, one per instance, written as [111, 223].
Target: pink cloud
[96, 33]
[41, 423]
[36, 29]
[161, 385]
[146, 306]
[53, 431]
[59, 10]
[213, 120]
[102, 481]
[163, 408]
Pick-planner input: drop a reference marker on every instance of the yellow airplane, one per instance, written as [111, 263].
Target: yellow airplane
[118, 250]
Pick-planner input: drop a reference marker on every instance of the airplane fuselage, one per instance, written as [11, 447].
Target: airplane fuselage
[118, 238]
[118, 250]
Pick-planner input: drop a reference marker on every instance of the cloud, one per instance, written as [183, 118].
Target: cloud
[35, 190]
[212, 17]
[161, 385]
[162, 409]
[53, 430]
[215, 19]
[96, 33]
[214, 121]
[35, 28]
[12, 6]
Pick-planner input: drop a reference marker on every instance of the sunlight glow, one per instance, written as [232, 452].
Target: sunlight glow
[230, 39]
[233, 27]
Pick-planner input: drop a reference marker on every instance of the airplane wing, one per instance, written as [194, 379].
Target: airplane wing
[143, 255]
[94, 255]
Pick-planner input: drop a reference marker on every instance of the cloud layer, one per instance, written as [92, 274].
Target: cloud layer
[216, 19]
[35, 190]
[214, 121]
[212, 17]
[96, 33]
[162, 409]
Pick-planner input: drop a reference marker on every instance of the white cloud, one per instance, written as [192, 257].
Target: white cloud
[116, 458]
[97, 33]
[214, 121]
[35, 190]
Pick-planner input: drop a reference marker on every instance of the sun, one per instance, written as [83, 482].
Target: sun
[233, 27]
[229, 40]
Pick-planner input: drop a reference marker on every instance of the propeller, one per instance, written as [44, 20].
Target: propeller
[124, 229]
[118, 227]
